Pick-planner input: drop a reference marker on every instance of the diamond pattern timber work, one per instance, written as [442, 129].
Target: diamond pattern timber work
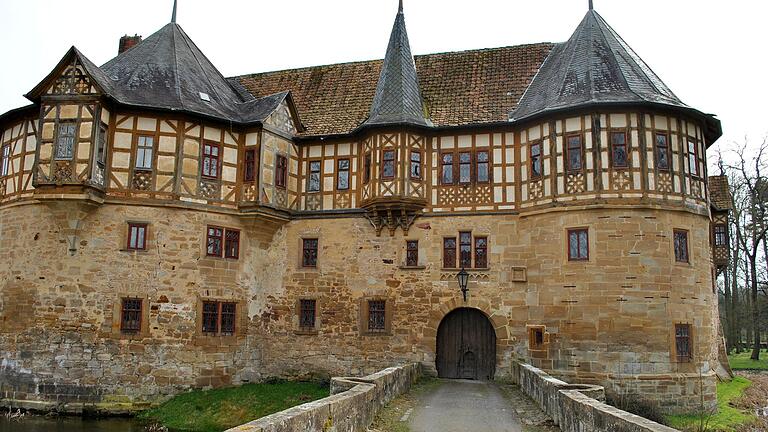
[142, 180]
[621, 180]
[463, 196]
[314, 202]
[62, 173]
[210, 190]
[250, 192]
[696, 188]
[2, 187]
[72, 81]
[536, 189]
[664, 183]
[281, 197]
[574, 183]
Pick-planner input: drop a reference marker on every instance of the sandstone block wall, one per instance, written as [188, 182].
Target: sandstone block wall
[578, 408]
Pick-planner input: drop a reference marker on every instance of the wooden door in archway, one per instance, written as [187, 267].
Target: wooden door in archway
[466, 346]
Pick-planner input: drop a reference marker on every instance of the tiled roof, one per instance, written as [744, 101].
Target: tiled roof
[397, 98]
[458, 88]
[719, 193]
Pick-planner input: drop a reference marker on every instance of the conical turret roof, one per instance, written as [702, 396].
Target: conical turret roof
[398, 99]
[168, 71]
[595, 66]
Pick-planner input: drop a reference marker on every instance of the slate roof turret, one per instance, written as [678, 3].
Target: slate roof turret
[398, 99]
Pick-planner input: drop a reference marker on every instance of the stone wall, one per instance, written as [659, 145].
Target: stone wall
[352, 406]
[609, 320]
[578, 408]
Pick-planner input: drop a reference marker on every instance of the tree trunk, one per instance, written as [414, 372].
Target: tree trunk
[755, 310]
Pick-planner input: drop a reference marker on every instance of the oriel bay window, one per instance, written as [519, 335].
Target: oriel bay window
[145, 148]
[211, 160]
[578, 244]
[281, 171]
[137, 236]
[367, 168]
[720, 235]
[388, 164]
[223, 242]
[574, 153]
[130, 315]
[535, 159]
[219, 318]
[65, 140]
[619, 155]
[662, 151]
[342, 174]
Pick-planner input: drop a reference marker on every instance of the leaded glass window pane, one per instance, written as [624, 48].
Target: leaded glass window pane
[144, 150]
[681, 246]
[309, 256]
[65, 140]
[465, 167]
[415, 165]
[314, 177]
[342, 183]
[388, 167]
[447, 171]
[574, 153]
[482, 167]
[465, 249]
[662, 152]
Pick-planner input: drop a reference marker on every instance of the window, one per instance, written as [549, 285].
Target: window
[578, 244]
[481, 167]
[481, 252]
[210, 159]
[449, 252]
[412, 253]
[249, 170]
[465, 249]
[281, 171]
[309, 254]
[720, 235]
[388, 164]
[447, 169]
[137, 236]
[693, 163]
[681, 245]
[65, 140]
[376, 315]
[574, 153]
[101, 145]
[307, 313]
[662, 151]
[535, 338]
[5, 160]
[465, 167]
[683, 343]
[342, 172]
[130, 315]
[620, 157]
[214, 243]
[536, 160]
[313, 181]
[144, 149]
[223, 242]
[219, 318]
[232, 244]
[415, 165]
[367, 168]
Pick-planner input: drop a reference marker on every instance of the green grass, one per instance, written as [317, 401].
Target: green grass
[742, 361]
[221, 409]
[727, 417]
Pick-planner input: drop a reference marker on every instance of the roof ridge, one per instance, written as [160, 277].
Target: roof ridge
[301, 68]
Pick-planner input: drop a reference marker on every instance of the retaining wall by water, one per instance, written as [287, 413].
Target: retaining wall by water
[576, 407]
[352, 406]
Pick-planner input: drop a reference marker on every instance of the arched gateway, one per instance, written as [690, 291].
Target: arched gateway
[466, 346]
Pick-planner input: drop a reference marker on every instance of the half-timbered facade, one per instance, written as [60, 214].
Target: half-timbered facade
[163, 227]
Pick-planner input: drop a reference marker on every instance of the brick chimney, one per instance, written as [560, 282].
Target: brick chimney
[127, 42]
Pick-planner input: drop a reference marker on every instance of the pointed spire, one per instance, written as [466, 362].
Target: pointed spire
[591, 6]
[173, 16]
[398, 98]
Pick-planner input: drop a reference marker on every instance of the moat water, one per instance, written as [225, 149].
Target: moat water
[70, 424]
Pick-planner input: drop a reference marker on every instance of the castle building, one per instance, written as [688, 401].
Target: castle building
[163, 227]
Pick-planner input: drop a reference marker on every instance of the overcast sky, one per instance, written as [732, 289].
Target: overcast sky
[712, 54]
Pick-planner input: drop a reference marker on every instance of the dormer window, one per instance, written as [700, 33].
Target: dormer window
[205, 97]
